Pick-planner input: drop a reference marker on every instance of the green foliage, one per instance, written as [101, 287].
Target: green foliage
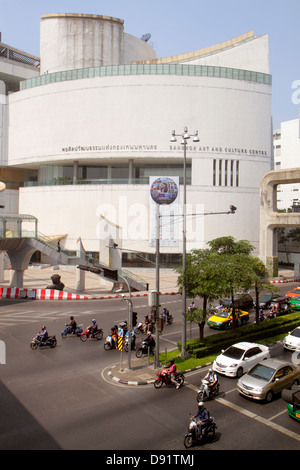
[252, 333]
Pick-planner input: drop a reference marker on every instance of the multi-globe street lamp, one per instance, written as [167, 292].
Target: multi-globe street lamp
[185, 137]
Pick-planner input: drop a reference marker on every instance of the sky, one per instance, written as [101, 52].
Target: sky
[178, 26]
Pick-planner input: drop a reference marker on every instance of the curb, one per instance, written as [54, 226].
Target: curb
[51, 294]
[149, 382]
[284, 281]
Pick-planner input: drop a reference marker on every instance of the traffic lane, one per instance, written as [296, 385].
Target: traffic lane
[271, 414]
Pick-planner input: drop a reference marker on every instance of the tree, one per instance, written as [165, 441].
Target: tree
[202, 279]
[260, 281]
[234, 258]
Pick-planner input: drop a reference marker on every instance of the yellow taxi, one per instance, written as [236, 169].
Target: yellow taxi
[222, 319]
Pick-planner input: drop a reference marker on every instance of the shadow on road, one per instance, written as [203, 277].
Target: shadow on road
[19, 430]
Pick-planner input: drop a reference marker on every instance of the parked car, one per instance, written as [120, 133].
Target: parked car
[293, 292]
[243, 302]
[222, 319]
[280, 306]
[239, 358]
[292, 340]
[267, 379]
[295, 302]
[265, 300]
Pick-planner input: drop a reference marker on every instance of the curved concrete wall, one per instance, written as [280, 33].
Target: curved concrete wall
[74, 41]
[117, 119]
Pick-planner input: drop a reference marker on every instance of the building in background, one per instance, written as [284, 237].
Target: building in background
[92, 124]
[286, 145]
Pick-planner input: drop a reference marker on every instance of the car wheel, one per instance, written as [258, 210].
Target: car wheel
[269, 396]
[239, 372]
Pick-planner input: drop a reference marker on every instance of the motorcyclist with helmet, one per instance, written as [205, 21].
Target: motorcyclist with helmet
[43, 336]
[94, 328]
[210, 381]
[72, 325]
[150, 342]
[202, 418]
[166, 315]
[172, 373]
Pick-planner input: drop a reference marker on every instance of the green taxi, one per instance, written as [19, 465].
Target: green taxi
[222, 319]
[292, 397]
[295, 303]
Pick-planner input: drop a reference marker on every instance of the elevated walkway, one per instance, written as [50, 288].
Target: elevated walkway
[20, 245]
[271, 219]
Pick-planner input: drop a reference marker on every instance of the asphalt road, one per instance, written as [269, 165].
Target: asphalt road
[58, 399]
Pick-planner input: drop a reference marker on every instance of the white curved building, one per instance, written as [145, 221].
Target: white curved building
[96, 125]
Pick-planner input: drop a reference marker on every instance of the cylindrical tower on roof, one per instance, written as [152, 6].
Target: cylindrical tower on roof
[74, 41]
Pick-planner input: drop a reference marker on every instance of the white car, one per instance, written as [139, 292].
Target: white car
[239, 358]
[292, 340]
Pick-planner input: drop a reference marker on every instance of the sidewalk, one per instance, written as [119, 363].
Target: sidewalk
[37, 277]
[140, 373]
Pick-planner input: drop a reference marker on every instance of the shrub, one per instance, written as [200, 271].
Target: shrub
[252, 333]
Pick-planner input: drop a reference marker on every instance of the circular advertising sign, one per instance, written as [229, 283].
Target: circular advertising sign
[164, 190]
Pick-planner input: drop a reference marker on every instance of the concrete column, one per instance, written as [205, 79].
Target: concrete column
[17, 278]
[80, 274]
[75, 172]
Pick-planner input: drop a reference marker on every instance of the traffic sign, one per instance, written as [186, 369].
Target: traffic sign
[120, 343]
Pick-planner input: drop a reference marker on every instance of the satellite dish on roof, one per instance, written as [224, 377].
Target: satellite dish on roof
[146, 37]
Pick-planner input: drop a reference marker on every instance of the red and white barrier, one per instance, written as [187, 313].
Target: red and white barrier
[51, 294]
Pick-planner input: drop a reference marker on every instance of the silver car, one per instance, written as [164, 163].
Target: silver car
[268, 378]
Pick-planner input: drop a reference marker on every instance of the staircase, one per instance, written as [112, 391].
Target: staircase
[31, 242]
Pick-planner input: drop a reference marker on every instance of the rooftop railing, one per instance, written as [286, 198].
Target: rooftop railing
[148, 69]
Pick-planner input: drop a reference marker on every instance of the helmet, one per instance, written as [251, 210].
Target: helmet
[171, 361]
[201, 405]
[43, 328]
[94, 321]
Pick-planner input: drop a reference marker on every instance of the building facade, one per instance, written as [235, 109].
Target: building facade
[286, 143]
[95, 125]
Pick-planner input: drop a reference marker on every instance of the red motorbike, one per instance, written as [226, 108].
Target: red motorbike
[164, 377]
[88, 334]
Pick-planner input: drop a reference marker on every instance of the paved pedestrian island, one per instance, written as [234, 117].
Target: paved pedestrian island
[140, 373]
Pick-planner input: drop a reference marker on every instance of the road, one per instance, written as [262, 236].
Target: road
[58, 399]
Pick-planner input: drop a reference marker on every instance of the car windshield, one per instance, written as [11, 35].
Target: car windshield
[297, 297]
[234, 352]
[261, 371]
[296, 333]
[265, 297]
[222, 314]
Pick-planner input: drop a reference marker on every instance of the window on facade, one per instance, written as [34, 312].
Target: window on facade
[226, 172]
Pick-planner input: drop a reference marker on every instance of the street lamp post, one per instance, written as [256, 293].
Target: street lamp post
[185, 137]
[129, 304]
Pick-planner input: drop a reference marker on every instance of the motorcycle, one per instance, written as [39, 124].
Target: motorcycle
[164, 377]
[68, 331]
[50, 341]
[142, 350]
[140, 328]
[191, 438]
[88, 334]
[170, 320]
[126, 342]
[109, 343]
[207, 392]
